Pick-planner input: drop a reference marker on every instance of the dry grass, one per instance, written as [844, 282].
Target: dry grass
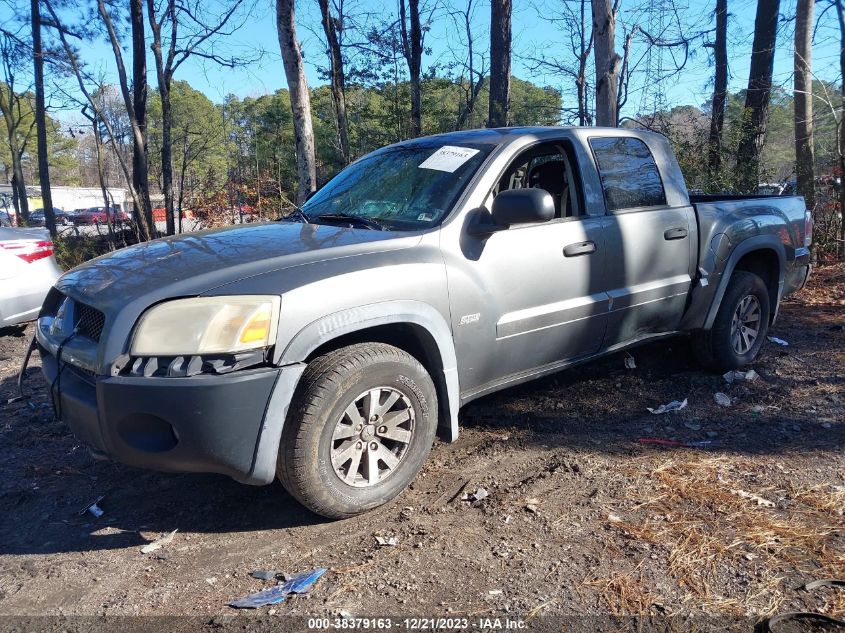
[625, 593]
[690, 508]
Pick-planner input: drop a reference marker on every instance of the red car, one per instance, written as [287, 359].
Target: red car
[97, 215]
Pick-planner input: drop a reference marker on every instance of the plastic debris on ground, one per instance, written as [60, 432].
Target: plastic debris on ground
[630, 363]
[722, 399]
[386, 541]
[164, 540]
[738, 376]
[778, 341]
[760, 501]
[299, 584]
[675, 405]
[264, 575]
[94, 507]
[478, 495]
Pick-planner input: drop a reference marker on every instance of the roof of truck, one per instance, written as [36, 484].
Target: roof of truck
[501, 135]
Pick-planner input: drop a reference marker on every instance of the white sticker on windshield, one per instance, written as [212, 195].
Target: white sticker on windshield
[448, 158]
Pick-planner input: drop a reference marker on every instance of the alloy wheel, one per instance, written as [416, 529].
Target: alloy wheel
[745, 325]
[372, 436]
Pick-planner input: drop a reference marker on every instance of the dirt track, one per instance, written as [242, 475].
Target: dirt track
[581, 518]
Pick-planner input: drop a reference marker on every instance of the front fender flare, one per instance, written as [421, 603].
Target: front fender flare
[417, 313]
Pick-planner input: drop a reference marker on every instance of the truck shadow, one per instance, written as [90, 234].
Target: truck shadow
[794, 405]
[47, 479]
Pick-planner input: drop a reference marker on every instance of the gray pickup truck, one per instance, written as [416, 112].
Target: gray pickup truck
[328, 347]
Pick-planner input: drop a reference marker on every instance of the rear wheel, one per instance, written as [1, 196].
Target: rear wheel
[740, 327]
[361, 426]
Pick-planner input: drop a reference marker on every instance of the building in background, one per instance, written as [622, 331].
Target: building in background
[65, 198]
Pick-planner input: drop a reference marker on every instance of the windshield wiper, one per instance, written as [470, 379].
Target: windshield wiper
[351, 217]
[298, 212]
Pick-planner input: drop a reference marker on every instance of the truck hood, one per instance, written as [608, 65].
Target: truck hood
[196, 263]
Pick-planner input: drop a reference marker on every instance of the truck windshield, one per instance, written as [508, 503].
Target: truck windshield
[401, 188]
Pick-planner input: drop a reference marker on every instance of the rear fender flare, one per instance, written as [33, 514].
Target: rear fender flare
[758, 243]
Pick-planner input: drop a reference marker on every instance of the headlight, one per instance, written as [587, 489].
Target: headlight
[207, 325]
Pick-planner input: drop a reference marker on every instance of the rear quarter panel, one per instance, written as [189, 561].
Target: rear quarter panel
[728, 230]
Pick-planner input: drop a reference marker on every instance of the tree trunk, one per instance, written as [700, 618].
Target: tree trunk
[337, 79]
[300, 100]
[98, 143]
[9, 105]
[720, 89]
[41, 118]
[167, 154]
[500, 62]
[412, 49]
[840, 12]
[137, 108]
[19, 190]
[804, 101]
[164, 76]
[753, 128]
[607, 62]
[584, 47]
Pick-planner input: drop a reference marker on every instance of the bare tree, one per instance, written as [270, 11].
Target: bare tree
[623, 77]
[137, 111]
[840, 13]
[472, 77]
[412, 48]
[143, 221]
[607, 62]
[333, 29]
[804, 157]
[576, 26]
[758, 94]
[17, 115]
[300, 100]
[190, 31]
[500, 62]
[720, 88]
[41, 117]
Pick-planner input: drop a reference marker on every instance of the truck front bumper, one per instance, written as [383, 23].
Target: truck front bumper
[229, 424]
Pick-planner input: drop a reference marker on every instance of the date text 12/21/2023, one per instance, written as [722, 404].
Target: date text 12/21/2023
[418, 624]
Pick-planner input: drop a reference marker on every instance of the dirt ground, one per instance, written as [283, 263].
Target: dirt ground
[580, 518]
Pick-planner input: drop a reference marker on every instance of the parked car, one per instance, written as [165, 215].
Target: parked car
[328, 348]
[65, 218]
[28, 269]
[97, 215]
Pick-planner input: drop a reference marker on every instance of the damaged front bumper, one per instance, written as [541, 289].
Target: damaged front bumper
[229, 424]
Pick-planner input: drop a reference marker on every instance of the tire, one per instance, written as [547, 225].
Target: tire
[727, 345]
[334, 394]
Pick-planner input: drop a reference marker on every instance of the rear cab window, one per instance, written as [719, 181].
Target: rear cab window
[629, 176]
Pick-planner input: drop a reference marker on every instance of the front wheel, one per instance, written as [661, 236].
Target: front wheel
[740, 327]
[359, 429]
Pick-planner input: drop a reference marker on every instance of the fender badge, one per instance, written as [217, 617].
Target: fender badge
[470, 318]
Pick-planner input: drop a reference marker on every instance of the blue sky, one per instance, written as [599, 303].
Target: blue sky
[692, 86]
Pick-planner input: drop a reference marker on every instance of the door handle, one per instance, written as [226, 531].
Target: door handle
[677, 233]
[579, 248]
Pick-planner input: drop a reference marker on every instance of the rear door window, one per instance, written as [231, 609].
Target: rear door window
[629, 175]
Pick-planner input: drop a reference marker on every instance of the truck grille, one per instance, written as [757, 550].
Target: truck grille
[89, 321]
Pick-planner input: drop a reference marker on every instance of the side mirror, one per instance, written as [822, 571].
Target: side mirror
[522, 206]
